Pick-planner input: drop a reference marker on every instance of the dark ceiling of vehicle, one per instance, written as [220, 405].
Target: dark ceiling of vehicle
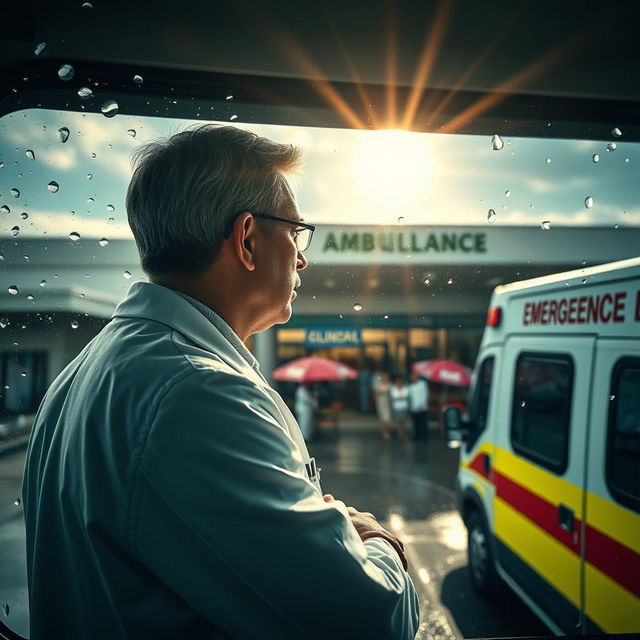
[462, 66]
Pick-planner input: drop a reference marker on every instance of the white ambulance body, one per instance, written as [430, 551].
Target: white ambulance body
[549, 477]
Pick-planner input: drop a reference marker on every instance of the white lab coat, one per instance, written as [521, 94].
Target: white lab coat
[165, 495]
[304, 406]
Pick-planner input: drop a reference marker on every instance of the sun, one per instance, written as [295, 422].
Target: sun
[393, 168]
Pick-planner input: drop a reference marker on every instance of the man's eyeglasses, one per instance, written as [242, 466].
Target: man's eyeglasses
[303, 233]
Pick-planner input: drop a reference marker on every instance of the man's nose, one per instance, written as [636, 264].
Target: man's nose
[302, 262]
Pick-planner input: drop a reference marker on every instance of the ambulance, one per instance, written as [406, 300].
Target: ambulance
[549, 474]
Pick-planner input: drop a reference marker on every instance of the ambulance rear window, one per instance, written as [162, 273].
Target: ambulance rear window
[541, 411]
[623, 450]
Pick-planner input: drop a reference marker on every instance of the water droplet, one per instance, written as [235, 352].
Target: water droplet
[13, 290]
[426, 282]
[40, 48]
[66, 72]
[496, 142]
[63, 134]
[15, 231]
[616, 132]
[43, 283]
[93, 155]
[584, 281]
[588, 202]
[29, 297]
[126, 275]
[450, 281]
[401, 220]
[109, 108]
[103, 242]
[357, 306]
[523, 404]
[29, 153]
[85, 93]
[74, 324]
[507, 194]
[75, 236]
[233, 117]
[491, 216]
[87, 5]
[546, 225]
[15, 193]
[230, 97]
[53, 186]
[138, 79]
[612, 146]
[612, 397]
[5, 209]
[1, 165]
[131, 132]
[596, 158]
[17, 502]
[90, 200]
[6, 609]
[110, 208]
[385, 316]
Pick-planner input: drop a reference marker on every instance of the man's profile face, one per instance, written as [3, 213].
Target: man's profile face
[279, 264]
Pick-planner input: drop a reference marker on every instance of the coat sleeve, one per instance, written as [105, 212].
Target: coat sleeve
[223, 514]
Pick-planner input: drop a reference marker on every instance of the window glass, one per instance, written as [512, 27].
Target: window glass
[479, 411]
[624, 433]
[542, 409]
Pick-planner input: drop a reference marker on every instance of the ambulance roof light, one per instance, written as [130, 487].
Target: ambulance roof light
[494, 316]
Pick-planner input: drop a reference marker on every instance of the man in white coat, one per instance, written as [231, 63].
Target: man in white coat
[168, 492]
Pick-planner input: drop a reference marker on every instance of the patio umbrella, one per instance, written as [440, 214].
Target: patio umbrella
[314, 369]
[443, 372]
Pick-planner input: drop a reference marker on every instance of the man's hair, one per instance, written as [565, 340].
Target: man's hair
[187, 188]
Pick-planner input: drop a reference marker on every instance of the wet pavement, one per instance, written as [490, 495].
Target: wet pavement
[408, 486]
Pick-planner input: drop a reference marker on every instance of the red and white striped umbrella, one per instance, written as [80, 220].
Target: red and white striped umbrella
[443, 372]
[314, 369]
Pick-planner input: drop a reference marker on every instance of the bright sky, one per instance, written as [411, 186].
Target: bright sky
[355, 177]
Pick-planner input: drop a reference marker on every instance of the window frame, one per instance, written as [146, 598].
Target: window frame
[563, 357]
[621, 496]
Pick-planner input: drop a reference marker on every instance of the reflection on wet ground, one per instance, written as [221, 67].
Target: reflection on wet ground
[409, 487]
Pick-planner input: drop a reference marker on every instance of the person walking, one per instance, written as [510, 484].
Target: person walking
[418, 406]
[382, 400]
[399, 404]
[168, 491]
[305, 403]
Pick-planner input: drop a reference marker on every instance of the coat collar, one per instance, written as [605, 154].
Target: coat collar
[154, 302]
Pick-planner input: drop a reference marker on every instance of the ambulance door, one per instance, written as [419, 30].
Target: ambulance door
[539, 470]
[612, 528]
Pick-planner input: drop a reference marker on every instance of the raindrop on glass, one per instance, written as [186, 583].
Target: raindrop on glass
[401, 220]
[90, 200]
[616, 132]
[386, 317]
[596, 158]
[496, 142]
[103, 242]
[523, 404]
[138, 79]
[612, 397]
[53, 186]
[109, 108]
[66, 72]
[75, 236]
[546, 225]
[24, 215]
[626, 160]
[230, 97]
[233, 117]
[547, 160]
[63, 134]
[40, 48]
[17, 502]
[450, 281]
[126, 275]
[29, 153]
[357, 306]
[13, 290]
[588, 202]
[426, 282]
[507, 194]
[1, 165]
[584, 281]
[29, 297]
[89, 176]
[85, 93]
[131, 132]
[612, 146]
[5, 209]
[6, 609]
[87, 5]
[15, 193]
[15, 231]
[110, 208]
[74, 324]
[491, 216]
[43, 283]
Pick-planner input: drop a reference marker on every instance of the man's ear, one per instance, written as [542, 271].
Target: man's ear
[244, 239]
